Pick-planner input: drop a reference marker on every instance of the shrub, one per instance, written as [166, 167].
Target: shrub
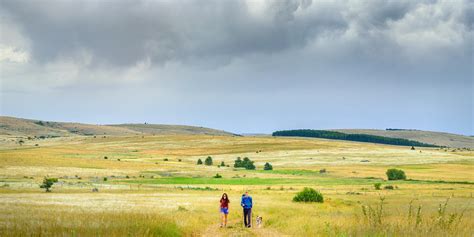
[267, 166]
[322, 171]
[48, 183]
[308, 195]
[396, 174]
[377, 186]
[248, 164]
[217, 176]
[245, 163]
[223, 164]
[238, 163]
[388, 187]
[199, 162]
[105, 157]
[105, 179]
[165, 159]
[208, 161]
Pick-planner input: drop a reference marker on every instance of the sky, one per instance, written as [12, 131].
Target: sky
[242, 66]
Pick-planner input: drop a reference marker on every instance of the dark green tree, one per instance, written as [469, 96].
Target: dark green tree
[199, 162]
[222, 163]
[238, 163]
[48, 183]
[248, 164]
[396, 174]
[208, 161]
[267, 166]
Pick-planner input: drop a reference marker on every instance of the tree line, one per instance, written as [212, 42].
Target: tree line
[350, 137]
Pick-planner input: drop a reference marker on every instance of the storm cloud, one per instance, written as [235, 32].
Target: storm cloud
[244, 66]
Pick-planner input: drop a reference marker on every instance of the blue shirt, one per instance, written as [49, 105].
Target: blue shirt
[246, 202]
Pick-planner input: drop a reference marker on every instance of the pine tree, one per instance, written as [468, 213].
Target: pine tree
[208, 161]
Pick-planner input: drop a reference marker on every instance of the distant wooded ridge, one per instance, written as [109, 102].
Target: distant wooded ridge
[400, 129]
[350, 137]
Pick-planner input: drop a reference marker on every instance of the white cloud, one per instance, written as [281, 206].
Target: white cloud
[11, 54]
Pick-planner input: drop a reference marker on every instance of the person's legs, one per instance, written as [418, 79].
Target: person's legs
[250, 217]
[225, 220]
[222, 218]
[247, 217]
[246, 211]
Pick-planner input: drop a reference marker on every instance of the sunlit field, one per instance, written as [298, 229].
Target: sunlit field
[151, 186]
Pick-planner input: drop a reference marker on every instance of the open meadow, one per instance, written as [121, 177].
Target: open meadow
[151, 186]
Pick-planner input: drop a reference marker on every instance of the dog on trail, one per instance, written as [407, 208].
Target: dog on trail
[259, 221]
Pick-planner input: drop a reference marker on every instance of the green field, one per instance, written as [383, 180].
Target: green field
[151, 186]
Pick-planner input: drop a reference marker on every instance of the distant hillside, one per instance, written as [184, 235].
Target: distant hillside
[351, 137]
[171, 129]
[436, 138]
[29, 127]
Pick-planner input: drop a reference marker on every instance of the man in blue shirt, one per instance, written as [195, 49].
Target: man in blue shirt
[246, 204]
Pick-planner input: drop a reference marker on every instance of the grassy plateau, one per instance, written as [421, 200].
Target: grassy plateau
[150, 185]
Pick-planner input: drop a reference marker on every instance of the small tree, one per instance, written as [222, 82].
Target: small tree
[222, 163]
[248, 164]
[199, 162]
[396, 174]
[238, 163]
[48, 183]
[217, 176]
[377, 186]
[21, 142]
[208, 161]
[308, 195]
[267, 166]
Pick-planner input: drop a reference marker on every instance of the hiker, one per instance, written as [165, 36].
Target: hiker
[246, 204]
[224, 209]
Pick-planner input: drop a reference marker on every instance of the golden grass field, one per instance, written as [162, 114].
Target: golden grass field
[144, 195]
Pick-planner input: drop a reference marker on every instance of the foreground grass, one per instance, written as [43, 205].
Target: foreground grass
[59, 221]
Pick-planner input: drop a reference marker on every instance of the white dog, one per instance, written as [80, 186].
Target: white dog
[259, 221]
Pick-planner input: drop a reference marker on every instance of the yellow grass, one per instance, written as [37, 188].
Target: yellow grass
[142, 205]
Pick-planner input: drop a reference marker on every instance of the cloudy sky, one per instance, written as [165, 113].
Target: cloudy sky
[241, 66]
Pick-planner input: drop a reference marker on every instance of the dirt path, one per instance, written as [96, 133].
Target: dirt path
[235, 228]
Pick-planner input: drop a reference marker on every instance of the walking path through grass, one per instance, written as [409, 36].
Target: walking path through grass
[235, 228]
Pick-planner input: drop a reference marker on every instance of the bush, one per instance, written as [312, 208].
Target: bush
[248, 164]
[217, 176]
[245, 163]
[222, 163]
[199, 162]
[322, 171]
[377, 186]
[267, 166]
[105, 179]
[208, 161]
[388, 187]
[308, 195]
[48, 183]
[165, 159]
[238, 163]
[396, 174]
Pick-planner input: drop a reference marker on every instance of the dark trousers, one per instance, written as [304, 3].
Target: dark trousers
[247, 216]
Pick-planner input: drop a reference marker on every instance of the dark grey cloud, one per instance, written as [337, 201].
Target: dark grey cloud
[124, 32]
[346, 63]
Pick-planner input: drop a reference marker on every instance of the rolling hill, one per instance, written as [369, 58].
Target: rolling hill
[28, 127]
[430, 137]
